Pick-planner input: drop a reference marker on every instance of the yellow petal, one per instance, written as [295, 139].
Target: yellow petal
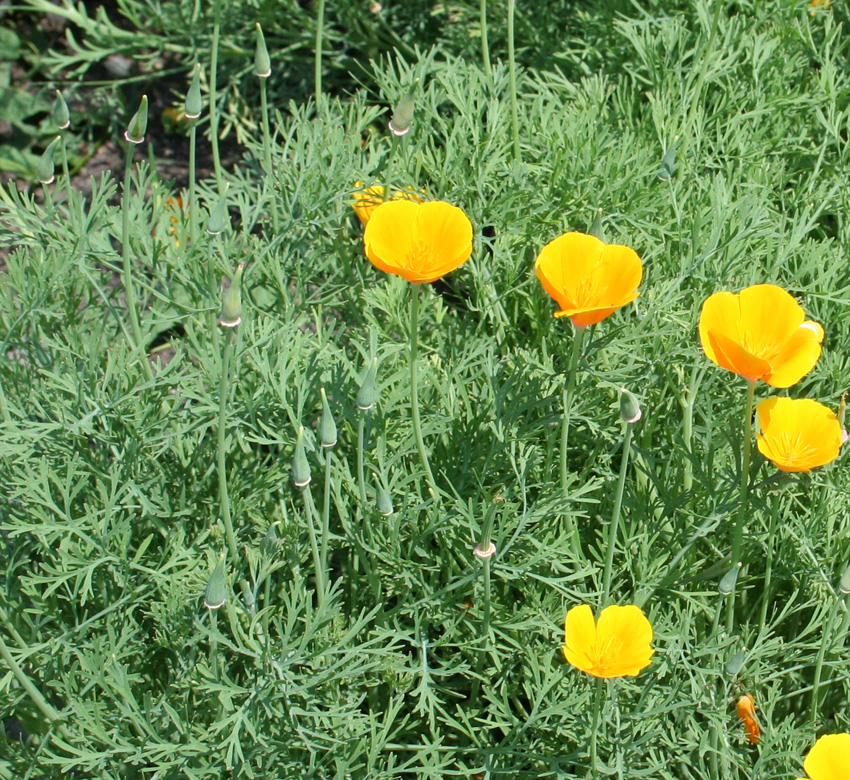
[797, 434]
[366, 200]
[623, 636]
[829, 759]
[447, 231]
[580, 638]
[797, 357]
[769, 317]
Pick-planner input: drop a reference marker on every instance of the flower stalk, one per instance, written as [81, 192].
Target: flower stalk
[414, 387]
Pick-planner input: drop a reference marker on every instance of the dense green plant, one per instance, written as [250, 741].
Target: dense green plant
[419, 658]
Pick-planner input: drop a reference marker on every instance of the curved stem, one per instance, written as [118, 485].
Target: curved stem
[224, 499]
[192, 207]
[314, 546]
[267, 154]
[414, 389]
[33, 692]
[615, 518]
[361, 436]
[326, 509]
[826, 641]
[768, 566]
[578, 341]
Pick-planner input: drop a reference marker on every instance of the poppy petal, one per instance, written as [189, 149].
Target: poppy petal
[829, 759]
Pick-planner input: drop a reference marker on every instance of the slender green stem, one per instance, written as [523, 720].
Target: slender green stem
[688, 404]
[485, 47]
[320, 31]
[33, 692]
[827, 638]
[314, 545]
[67, 187]
[129, 289]
[414, 388]
[743, 496]
[267, 154]
[192, 207]
[224, 498]
[615, 517]
[768, 566]
[845, 621]
[598, 686]
[512, 77]
[214, 97]
[361, 445]
[214, 643]
[326, 509]
[572, 370]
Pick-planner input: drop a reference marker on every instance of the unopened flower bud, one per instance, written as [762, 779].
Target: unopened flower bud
[368, 393]
[327, 426]
[301, 476]
[60, 115]
[736, 663]
[596, 226]
[403, 114]
[231, 301]
[194, 104]
[668, 162]
[727, 583]
[262, 63]
[629, 407]
[135, 132]
[219, 218]
[216, 592]
[46, 166]
[383, 500]
[844, 584]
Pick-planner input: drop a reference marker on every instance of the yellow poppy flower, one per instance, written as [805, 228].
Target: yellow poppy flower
[616, 645]
[368, 199]
[760, 333]
[420, 242]
[588, 278]
[798, 434]
[829, 759]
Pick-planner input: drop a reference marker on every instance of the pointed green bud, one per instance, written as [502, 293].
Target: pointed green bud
[194, 103]
[262, 63]
[271, 539]
[301, 476]
[383, 500]
[368, 393]
[736, 663]
[844, 585]
[60, 115]
[327, 426]
[668, 162]
[596, 226]
[135, 132]
[403, 114]
[219, 217]
[46, 167]
[216, 593]
[231, 301]
[629, 407]
[727, 583]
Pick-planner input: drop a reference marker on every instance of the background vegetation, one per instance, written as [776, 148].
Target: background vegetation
[111, 523]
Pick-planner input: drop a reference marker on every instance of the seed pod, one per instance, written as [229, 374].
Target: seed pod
[135, 132]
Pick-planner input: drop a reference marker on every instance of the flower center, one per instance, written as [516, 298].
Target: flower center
[420, 256]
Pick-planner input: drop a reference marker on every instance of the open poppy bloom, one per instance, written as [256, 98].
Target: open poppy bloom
[588, 278]
[829, 759]
[420, 242]
[747, 713]
[798, 434]
[368, 199]
[760, 333]
[617, 645]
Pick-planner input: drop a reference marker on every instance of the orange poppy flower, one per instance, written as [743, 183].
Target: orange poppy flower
[617, 645]
[798, 434]
[368, 199]
[829, 759]
[760, 333]
[420, 242]
[747, 713]
[588, 278]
